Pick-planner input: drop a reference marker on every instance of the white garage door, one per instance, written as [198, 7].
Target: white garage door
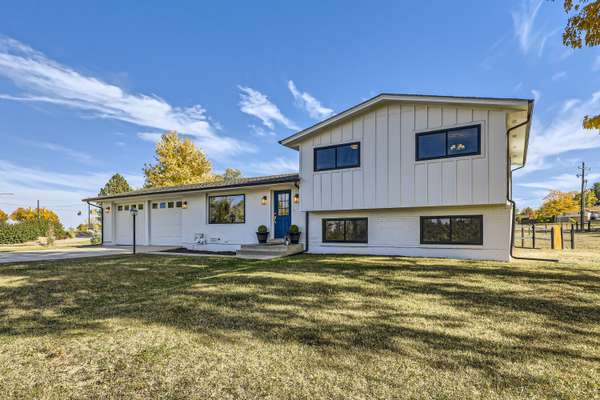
[124, 228]
[165, 220]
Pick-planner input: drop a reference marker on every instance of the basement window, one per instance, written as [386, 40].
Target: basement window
[456, 142]
[455, 229]
[345, 230]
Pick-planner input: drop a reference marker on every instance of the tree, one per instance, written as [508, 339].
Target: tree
[557, 202]
[3, 217]
[590, 198]
[28, 214]
[115, 185]
[178, 162]
[596, 189]
[528, 213]
[583, 27]
[232, 173]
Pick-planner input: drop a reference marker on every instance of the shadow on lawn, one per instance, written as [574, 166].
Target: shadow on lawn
[341, 303]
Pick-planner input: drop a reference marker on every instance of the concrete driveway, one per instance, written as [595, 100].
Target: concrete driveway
[60, 253]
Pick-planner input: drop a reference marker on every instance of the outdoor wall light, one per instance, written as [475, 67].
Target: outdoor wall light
[184, 204]
[263, 201]
[296, 198]
[107, 209]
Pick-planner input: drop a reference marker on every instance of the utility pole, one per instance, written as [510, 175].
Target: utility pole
[581, 175]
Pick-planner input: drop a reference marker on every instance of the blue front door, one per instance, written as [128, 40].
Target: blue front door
[282, 212]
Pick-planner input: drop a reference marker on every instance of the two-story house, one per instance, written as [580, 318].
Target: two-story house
[395, 175]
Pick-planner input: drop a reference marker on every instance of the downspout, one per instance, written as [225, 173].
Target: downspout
[509, 173]
[101, 221]
[306, 231]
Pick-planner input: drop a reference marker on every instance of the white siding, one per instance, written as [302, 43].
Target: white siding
[397, 232]
[389, 176]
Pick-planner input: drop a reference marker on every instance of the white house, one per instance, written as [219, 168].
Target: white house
[395, 175]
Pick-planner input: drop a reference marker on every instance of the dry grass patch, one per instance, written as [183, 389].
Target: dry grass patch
[306, 327]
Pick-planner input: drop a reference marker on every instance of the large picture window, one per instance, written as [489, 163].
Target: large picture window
[456, 142]
[227, 209]
[350, 230]
[337, 157]
[461, 229]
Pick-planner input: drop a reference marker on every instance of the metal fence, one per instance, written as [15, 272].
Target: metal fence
[541, 235]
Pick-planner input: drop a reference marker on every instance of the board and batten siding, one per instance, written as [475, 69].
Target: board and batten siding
[390, 176]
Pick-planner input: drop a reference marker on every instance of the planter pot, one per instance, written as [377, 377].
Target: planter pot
[294, 237]
[262, 237]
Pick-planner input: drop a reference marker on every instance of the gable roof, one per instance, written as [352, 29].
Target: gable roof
[517, 104]
[228, 184]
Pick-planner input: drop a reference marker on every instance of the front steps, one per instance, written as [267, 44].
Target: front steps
[269, 250]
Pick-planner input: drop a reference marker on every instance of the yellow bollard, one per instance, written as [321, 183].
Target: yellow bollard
[557, 238]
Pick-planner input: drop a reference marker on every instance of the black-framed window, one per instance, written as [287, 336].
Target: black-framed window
[455, 142]
[178, 204]
[230, 209]
[452, 229]
[337, 157]
[119, 208]
[346, 230]
[154, 206]
[140, 207]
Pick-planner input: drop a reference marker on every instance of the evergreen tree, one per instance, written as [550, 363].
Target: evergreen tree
[115, 185]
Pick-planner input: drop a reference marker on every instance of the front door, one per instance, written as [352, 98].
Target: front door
[282, 213]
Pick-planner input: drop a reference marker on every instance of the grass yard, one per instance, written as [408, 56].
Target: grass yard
[306, 327]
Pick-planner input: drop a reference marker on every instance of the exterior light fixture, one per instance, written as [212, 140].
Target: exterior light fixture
[263, 201]
[296, 198]
[184, 204]
[107, 209]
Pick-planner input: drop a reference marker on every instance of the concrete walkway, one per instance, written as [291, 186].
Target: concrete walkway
[72, 252]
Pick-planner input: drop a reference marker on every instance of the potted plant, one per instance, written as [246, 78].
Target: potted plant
[262, 234]
[294, 233]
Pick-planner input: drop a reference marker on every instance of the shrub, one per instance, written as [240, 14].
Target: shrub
[262, 229]
[294, 229]
[96, 239]
[26, 231]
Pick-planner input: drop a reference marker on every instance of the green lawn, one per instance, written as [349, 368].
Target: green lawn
[305, 327]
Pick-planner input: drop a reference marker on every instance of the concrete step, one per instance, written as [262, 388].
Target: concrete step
[266, 251]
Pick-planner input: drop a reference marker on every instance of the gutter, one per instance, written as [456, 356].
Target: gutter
[509, 173]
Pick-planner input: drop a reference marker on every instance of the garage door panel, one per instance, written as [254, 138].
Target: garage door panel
[166, 226]
[124, 226]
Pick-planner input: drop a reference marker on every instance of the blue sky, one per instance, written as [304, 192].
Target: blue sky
[85, 89]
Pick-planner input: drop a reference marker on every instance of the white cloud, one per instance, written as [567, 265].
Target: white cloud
[260, 131]
[153, 137]
[564, 182]
[559, 75]
[537, 95]
[47, 81]
[120, 144]
[562, 134]
[523, 23]
[309, 103]
[278, 166]
[79, 156]
[255, 103]
[61, 192]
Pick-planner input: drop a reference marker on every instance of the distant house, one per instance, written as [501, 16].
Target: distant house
[397, 174]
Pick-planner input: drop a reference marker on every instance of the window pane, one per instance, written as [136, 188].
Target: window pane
[464, 141]
[154, 205]
[431, 145]
[348, 155]
[163, 205]
[356, 230]
[178, 204]
[325, 158]
[334, 230]
[127, 207]
[226, 209]
[119, 208]
[170, 204]
[435, 230]
[467, 230]
[140, 206]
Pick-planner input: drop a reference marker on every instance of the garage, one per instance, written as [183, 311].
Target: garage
[124, 222]
[165, 218]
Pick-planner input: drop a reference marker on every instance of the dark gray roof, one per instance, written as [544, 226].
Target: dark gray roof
[230, 183]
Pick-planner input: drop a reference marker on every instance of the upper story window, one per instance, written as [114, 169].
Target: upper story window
[337, 157]
[455, 142]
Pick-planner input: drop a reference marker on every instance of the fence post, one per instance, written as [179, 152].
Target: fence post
[572, 237]
[562, 236]
[522, 236]
[552, 239]
[590, 225]
[533, 237]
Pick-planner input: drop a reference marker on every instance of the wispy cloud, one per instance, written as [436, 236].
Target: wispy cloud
[559, 75]
[153, 137]
[523, 22]
[307, 102]
[563, 182]
[120, 144]
[79, 156]
[562, 134]
[253, 102]
[260, 131]
[47, 81]
[59, 191]
[277, 166]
